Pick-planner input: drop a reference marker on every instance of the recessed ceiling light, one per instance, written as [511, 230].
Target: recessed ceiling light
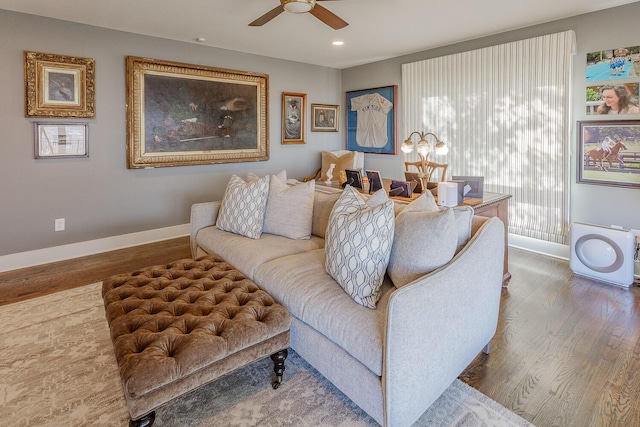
[200, 39]
[337, 43]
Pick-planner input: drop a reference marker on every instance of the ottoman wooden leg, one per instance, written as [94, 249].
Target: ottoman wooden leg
[278, 366]
[146, 421]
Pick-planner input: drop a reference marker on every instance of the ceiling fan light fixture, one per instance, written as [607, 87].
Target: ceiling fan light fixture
[298, 6]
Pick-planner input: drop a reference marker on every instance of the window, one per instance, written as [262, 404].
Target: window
[504, 113]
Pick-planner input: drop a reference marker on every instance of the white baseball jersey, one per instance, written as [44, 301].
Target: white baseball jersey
[372, 110]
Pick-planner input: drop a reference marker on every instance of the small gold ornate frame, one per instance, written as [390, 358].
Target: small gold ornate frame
[59, 86]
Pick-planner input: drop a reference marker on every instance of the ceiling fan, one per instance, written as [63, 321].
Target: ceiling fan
[303, 6]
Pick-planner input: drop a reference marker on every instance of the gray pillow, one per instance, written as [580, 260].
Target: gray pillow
[424, 241]
[289, 211]
[357, 246]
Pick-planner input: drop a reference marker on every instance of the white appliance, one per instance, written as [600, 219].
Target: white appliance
[602, 253]
[447, 194]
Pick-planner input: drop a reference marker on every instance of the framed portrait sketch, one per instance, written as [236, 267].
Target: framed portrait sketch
[324, 117]
[59, 86]
[371, 120]
[61, 140]
[294, 110]
[182, 114]
[609, 153]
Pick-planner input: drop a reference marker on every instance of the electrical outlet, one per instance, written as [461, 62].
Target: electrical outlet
[59, 224]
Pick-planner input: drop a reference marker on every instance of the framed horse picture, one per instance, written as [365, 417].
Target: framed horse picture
[609, 153]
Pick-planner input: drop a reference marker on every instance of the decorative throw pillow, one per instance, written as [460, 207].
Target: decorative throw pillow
[343, 162]
[322, 206]
[464, 218]
[289, 210]
[424, 241]
[243, 205]
[282, 176]
[357, 245]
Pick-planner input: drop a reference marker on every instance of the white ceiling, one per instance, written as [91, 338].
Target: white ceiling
[378, 29]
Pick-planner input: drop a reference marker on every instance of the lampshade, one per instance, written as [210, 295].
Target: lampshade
[298, 6]
[423, 146]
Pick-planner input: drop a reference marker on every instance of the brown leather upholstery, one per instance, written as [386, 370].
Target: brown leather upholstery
[170, 321]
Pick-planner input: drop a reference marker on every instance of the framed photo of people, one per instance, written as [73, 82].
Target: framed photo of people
[608, 153]
[371, 120]
[613, 82]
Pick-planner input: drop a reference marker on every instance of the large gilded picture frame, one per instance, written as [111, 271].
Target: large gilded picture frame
[59, 86]
[182, 114]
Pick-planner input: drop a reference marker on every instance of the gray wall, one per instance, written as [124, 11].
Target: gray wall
[99, 196]
[594, 204]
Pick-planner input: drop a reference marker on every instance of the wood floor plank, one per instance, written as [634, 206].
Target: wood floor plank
[566, 350]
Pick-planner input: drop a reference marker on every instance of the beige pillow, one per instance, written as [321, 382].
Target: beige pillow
[464, 218]
[424, 241]
[282, 175]
[358, 244]
[289, 211]
[322, 206]
[343, 162]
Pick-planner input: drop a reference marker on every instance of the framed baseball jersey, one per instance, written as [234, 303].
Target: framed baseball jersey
[371, 120]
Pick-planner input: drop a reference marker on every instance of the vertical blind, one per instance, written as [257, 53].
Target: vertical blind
[504, 113]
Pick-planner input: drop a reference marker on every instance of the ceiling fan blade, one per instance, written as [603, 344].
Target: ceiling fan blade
[328, 17]
[267, 16]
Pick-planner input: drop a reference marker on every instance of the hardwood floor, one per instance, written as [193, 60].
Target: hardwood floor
[18, 285]
[566, 352]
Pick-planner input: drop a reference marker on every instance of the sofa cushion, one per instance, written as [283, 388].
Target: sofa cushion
[322, 206]
[289, 210]
[424, 241]
[300, 283]
[358, 243]
[247, 254]
[345, 161]
[282, 175]
[243, 206]
[464, 218]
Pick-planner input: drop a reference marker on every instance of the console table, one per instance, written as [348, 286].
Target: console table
[495, 204]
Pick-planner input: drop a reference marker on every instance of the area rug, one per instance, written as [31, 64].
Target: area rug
[57, 368]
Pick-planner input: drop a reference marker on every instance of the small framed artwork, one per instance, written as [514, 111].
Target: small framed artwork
[609, 153]
[473, 186]
[294, 106]
[371, 120]
[61, 140]
[354, 178]
[324, 117]
[375, 181]
[59, 86]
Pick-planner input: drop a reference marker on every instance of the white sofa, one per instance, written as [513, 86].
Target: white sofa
[393, 361]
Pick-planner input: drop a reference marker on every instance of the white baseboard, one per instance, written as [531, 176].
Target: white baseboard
[75, 250]
[543, 247]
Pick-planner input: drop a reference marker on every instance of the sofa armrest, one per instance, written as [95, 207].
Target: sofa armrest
[439, 323]
[202, 215]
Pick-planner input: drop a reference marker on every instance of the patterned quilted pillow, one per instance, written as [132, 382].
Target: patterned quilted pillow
[243, 206]
[357, 245]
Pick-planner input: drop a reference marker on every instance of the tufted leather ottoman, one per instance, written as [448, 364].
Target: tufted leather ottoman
[179, 326]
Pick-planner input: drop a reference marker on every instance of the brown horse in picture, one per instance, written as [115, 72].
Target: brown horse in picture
[598, 155]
